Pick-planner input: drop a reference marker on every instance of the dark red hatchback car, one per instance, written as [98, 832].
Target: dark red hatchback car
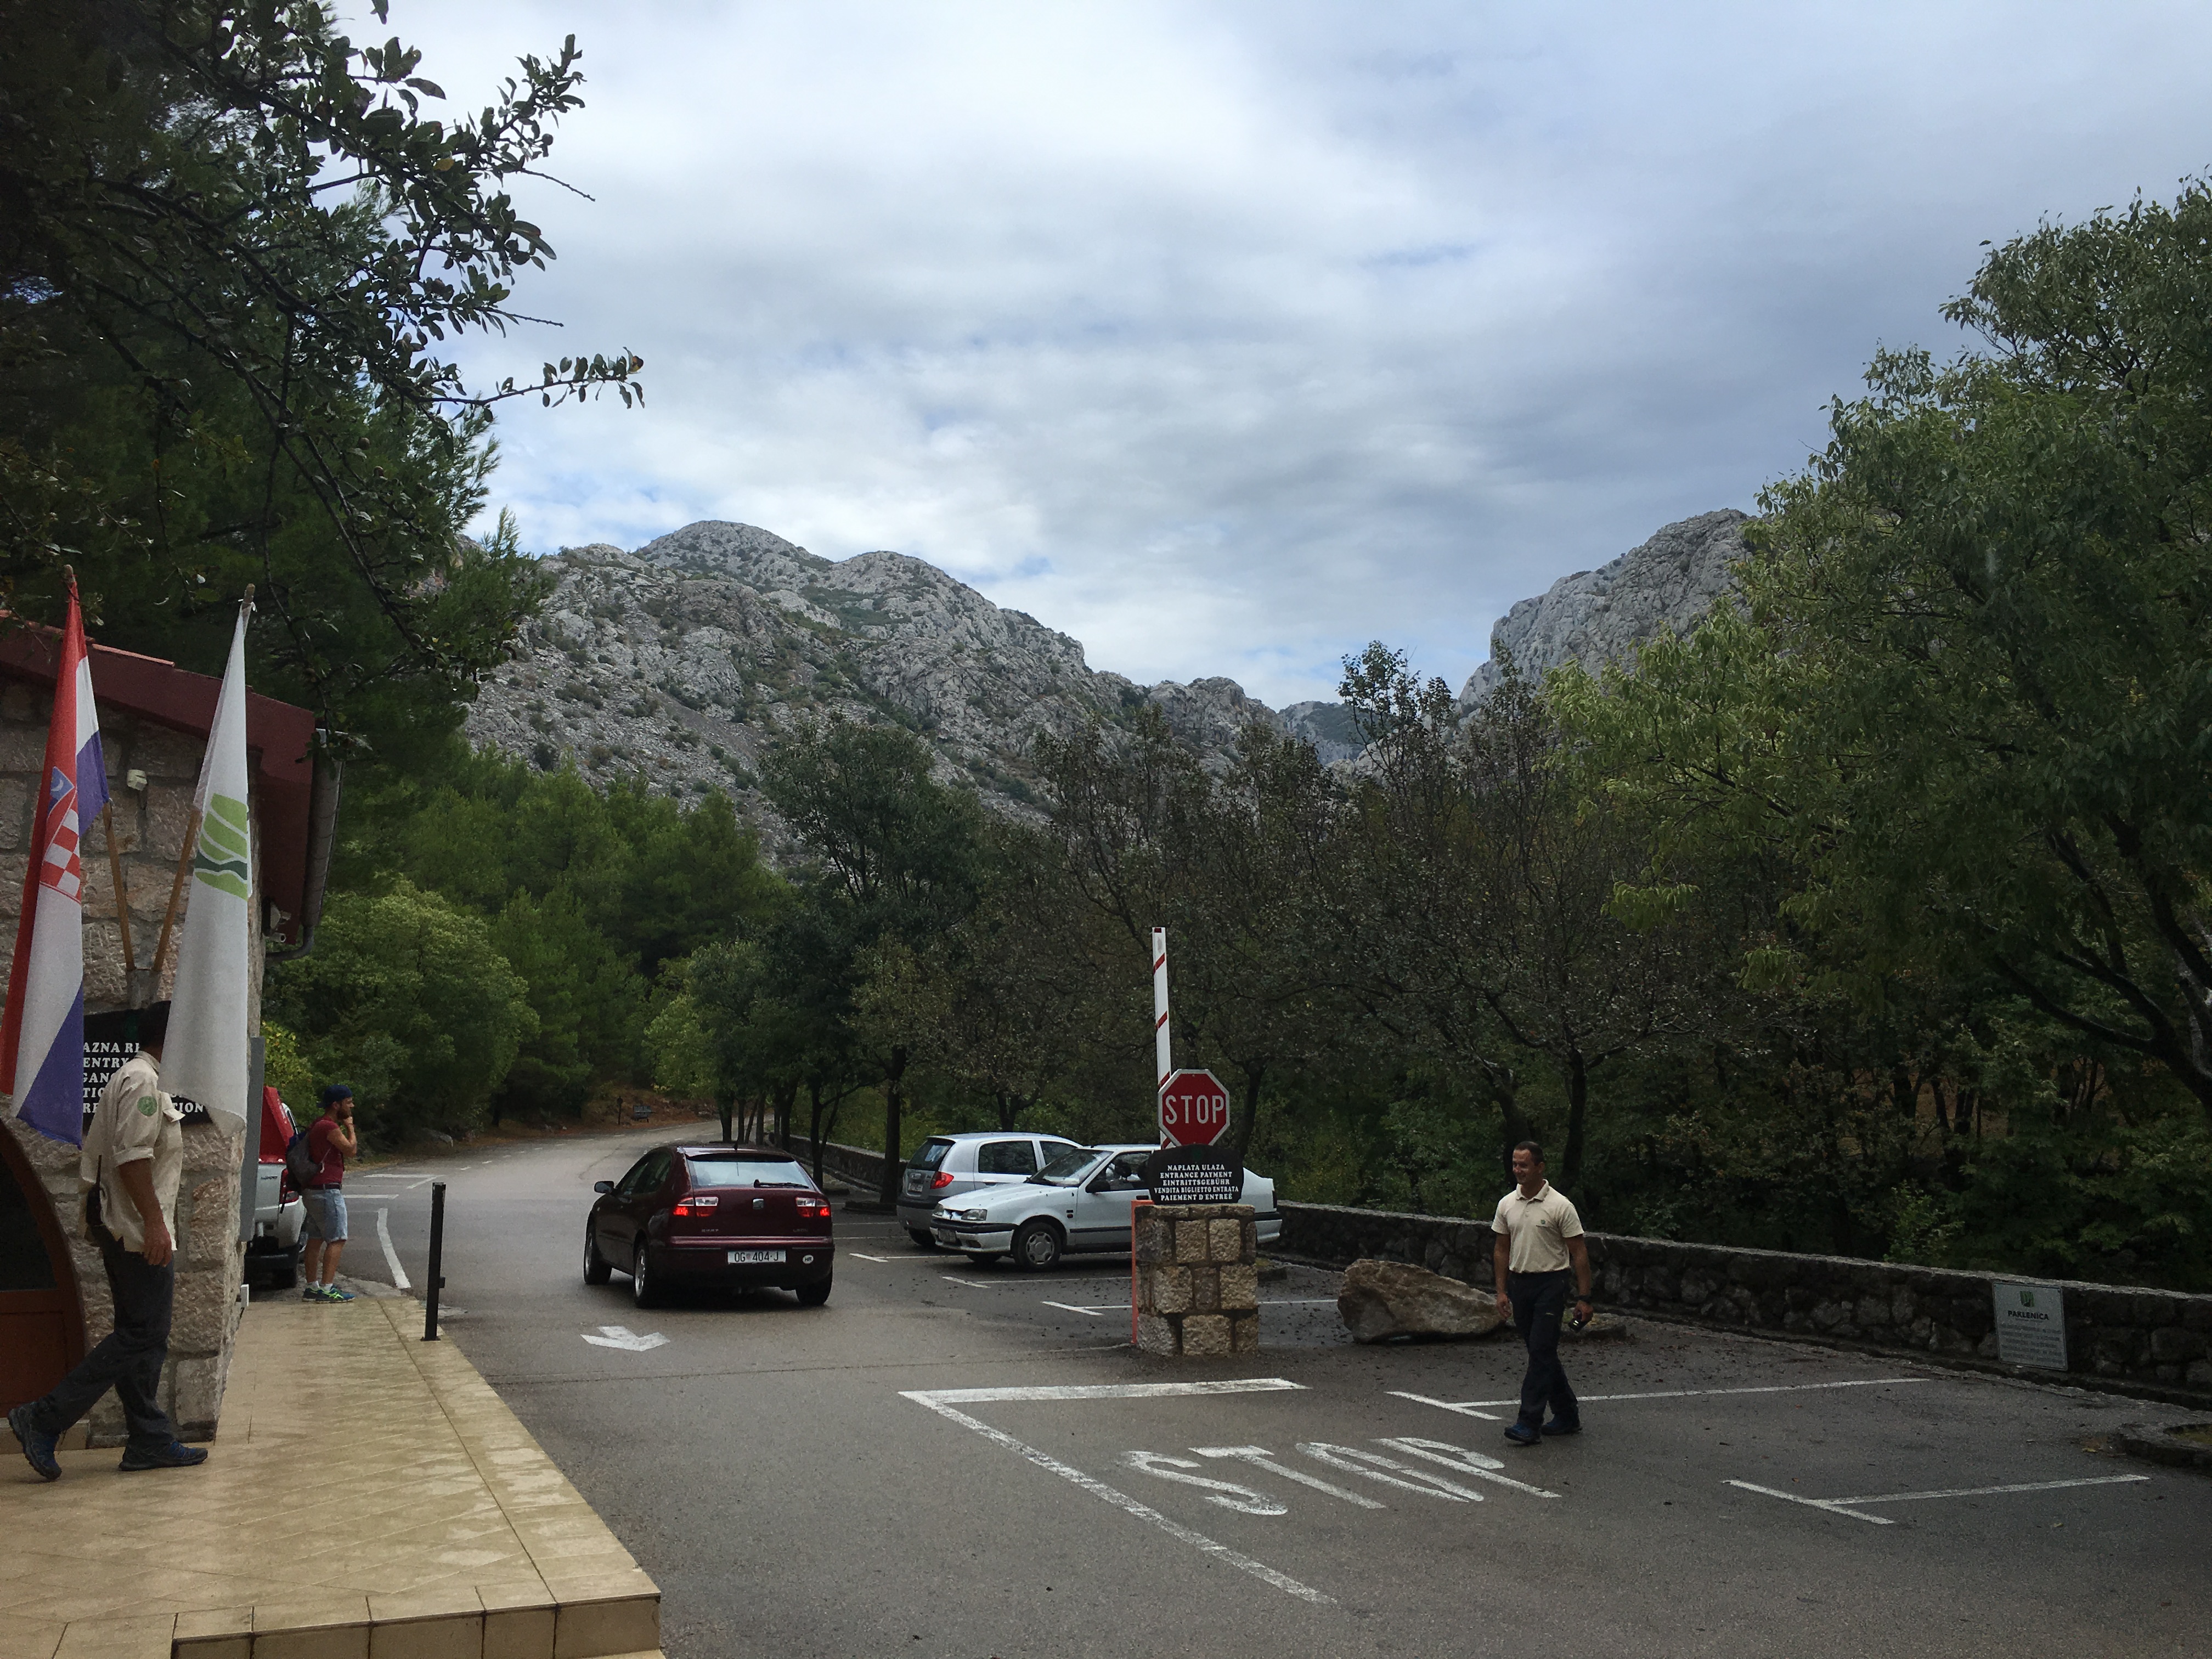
[743, 1217]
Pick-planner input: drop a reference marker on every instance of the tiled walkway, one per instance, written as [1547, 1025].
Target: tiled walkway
[368, 1497]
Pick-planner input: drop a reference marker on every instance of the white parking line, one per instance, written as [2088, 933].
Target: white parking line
[969, 1283]
[1841, 1505]
[934, 1397]
[1467, 1407]
[391, 1256]
[865, 1256]
[1097, 1308]
[1069, 1306]
[939, 1401]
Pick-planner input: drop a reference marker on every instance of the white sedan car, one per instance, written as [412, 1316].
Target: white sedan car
[1079, 1203]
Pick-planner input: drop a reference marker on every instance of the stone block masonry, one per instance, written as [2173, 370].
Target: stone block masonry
[2157, 1343]
[1198, 1284]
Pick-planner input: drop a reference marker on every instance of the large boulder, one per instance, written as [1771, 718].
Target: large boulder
[1383, 1299]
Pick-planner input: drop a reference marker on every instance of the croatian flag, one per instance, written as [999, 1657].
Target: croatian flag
[42, 1037]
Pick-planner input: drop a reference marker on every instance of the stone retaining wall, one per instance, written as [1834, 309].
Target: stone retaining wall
[2154, 1343]
[861, 1168]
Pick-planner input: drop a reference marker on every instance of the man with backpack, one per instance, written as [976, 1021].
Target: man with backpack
[329, 1142]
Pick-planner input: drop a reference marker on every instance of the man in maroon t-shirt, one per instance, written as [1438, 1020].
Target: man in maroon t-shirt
[331, 1141]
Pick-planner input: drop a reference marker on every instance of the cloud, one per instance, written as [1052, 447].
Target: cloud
[1225, 339]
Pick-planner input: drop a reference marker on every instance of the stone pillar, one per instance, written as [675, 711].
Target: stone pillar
[1197, 1284]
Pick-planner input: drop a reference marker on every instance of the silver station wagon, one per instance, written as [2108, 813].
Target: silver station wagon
[948, 1166]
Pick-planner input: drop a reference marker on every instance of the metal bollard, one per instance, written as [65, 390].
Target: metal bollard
[437, 1279]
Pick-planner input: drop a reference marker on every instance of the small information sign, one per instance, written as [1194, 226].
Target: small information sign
[2030, 1325]
[1195, 1175]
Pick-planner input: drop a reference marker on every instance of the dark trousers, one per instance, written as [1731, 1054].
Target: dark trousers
[1540, 1302]
[128, 1359]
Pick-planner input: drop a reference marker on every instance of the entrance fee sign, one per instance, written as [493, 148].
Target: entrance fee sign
[2030, 1325]
[1195, 1175]
[106, 1049]
[1194, 1110]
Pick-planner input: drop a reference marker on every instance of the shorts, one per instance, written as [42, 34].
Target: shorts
[326, 1213]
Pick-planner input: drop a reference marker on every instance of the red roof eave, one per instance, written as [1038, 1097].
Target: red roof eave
[152, 688]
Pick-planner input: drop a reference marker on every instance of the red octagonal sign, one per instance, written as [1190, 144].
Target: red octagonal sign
[1194, 1110]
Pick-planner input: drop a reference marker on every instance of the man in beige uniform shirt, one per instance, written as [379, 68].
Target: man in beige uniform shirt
[133, 1160]
[1539, 1239]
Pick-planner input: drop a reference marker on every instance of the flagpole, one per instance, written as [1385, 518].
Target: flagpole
[176, 892]
[122, 900]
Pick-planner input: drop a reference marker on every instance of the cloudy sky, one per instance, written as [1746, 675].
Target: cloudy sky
[1227, 336]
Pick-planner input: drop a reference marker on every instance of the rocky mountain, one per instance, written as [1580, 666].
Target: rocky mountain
[1599, 615]
[683, 660]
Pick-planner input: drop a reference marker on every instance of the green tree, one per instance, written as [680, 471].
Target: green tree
[406, 998]
[233, 250]
[1965, 694]
[589, 1000]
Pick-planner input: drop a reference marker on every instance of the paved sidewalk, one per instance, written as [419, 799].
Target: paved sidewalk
[368, 1497]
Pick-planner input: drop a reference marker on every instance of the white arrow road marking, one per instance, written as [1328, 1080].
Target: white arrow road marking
[621, 1336]
[391, 1256]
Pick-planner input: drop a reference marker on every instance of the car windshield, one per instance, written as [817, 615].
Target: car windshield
[711, 1169]
[1068, 1167]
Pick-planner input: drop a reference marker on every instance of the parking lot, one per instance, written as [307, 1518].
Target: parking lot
[955, 1460]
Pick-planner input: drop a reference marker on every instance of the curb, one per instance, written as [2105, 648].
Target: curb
[2159, 1444]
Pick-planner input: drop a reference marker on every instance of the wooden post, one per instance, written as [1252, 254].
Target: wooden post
[122, 898]
[176, 892]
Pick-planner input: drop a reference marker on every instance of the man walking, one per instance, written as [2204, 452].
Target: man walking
[1540, 1240]
[132, 1160]
[331, 1141]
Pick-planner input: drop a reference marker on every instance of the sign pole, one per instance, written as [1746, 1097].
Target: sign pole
[1163, 1062]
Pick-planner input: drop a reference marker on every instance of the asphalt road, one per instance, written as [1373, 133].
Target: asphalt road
[905, 1471]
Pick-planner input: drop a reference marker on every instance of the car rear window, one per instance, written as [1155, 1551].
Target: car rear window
[931, 1155]
[711, 1171]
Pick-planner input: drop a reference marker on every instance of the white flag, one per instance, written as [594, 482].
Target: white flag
[206, 1055]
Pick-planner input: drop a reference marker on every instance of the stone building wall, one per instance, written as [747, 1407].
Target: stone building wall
[150, 826]
[2156, 1343]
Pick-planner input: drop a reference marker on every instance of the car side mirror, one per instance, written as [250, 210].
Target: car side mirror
[602, 1186]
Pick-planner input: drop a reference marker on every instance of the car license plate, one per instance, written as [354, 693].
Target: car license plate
[741, 1258]
[944, 1237]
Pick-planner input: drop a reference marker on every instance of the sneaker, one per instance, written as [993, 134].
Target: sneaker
[1555, 1426]
[332, 1293]
[1521, 1435]
[38, 1449]
[174, 1456]
[311, 1293]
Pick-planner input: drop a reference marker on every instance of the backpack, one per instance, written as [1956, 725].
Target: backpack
[300, 1163]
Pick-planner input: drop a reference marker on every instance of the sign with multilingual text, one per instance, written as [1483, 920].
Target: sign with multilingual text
[109, 1040]
[1195, 1175]
[2030, 1325]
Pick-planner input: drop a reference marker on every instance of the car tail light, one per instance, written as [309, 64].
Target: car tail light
[812, 1207]
[943, 1179]
[696, 1203]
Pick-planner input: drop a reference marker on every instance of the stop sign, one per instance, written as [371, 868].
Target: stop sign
[1194, 1110]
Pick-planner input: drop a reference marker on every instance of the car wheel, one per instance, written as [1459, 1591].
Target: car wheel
[813, 1296]
[920, 1236]
[982, 1258]
[596, 1266]
[1036, 1246]
[644, 1290]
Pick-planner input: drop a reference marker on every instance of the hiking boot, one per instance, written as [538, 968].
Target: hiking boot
[1521, 1435]
[174, 1456]
[37, 1448]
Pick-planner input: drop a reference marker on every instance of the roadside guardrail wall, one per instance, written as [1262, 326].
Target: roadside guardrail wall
[861, 1168]
[2157, 1343]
